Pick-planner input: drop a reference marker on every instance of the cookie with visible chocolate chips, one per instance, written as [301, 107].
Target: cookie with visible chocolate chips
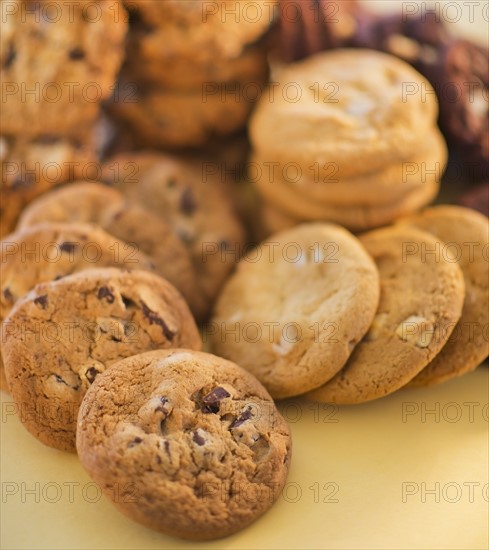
[31, 167]
[197, 439]
[193, 199]
[50, 251]
[296, 308]
[106, 207]
[57, 65]
[421, 299]
[466, 234]
[61, 335]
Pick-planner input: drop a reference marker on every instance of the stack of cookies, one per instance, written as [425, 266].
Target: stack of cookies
[58, 62]
[193, 71]
[347, 136]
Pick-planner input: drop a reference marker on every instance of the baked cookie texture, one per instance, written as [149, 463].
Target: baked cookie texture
[195, 202]
[30, 167]
[464, 239]
[63, 334]
[51, 251]
[421, 299]
[58, 63]
[194, 442]
[337, 138]
[144, 230]
[296, 307]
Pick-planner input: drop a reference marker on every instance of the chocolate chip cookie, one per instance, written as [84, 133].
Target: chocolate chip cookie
[96, 203]
[421, 300]
[194, 442]
[464, 236]
[50, 251]
[57, 339]
[296, 307]
[192, 198]
[58, 62]
[30, 167]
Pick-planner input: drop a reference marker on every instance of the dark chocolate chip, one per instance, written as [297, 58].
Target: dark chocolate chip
[67, 247]
[243, 417]
[135, 441]
[7, 294]
[211, 403]
[91, 374]
[163, 405]
[166, 444]
[198, 439]
[76, 54]
[187, 202]
[10, 57]
[154, 319]
[104, 292]
[42, 301]
[128, 302]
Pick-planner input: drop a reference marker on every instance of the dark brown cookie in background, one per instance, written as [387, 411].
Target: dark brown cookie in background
[477, 198]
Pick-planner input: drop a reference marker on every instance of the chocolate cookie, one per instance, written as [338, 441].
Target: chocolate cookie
[192, 198]
[195, 439]
[459, 73]
[96, 203]
[58, 62]
[50, 251]
[359, 109]
[421, 300]
[64, 333]
[31, 167]
[477, 198]
[466, 234]
[296, 307]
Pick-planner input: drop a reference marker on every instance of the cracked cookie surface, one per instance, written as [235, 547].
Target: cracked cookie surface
[195, 440]
[59, 337]
[421, 300]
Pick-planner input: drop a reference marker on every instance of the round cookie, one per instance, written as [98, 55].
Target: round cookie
[145, 64]
[96, 203]
[198, 438]
[351, 107]
[194, 202]
[58, 63]
[167, 118]
[296, 307]
[49, 251]
[64, 333]
[311, 191]
[205, 32]
[464, 236]
[31, 167]
[421, 300]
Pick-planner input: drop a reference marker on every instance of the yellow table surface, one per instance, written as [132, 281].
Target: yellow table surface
[410, 471]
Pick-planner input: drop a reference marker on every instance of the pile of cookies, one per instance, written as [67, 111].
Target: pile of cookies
[193, 70]
[305, 316]
[347, 136]
[57, 66]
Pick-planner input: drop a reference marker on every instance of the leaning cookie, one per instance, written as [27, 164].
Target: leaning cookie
[50, 251]
[421, 300]
[143, 230]
[64, 333]
[194, 442]
[192, 197]
[296, 307]
[466, 234]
